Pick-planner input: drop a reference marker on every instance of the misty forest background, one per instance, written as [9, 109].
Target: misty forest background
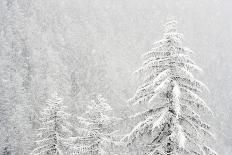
[82, 48]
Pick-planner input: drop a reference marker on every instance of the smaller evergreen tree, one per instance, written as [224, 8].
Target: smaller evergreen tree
[54, 130]
[96, 135]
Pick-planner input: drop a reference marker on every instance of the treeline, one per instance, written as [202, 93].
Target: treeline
[45, 51]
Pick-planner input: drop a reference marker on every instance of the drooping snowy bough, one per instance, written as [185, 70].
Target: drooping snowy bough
[172, 95]
[96, 131]
[55, 129]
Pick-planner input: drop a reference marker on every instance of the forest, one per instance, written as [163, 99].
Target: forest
[115, 77]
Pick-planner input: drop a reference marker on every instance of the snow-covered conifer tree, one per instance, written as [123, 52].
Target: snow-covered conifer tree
[54, 130]
[171, 94]
[96, 134]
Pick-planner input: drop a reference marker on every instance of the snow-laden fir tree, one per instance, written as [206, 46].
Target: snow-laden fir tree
[171, 94]
[96, 134]
[55, 129]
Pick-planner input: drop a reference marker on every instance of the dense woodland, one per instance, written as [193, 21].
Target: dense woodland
[112, 77]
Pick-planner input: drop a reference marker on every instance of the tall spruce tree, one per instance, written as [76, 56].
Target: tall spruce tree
[96, 131]
[55, 129]
[171, 94]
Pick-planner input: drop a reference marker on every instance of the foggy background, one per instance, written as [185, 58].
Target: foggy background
[59, 35]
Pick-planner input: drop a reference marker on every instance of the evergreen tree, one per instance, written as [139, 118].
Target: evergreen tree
[96, 135]
[55, 129]
[172, 97]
